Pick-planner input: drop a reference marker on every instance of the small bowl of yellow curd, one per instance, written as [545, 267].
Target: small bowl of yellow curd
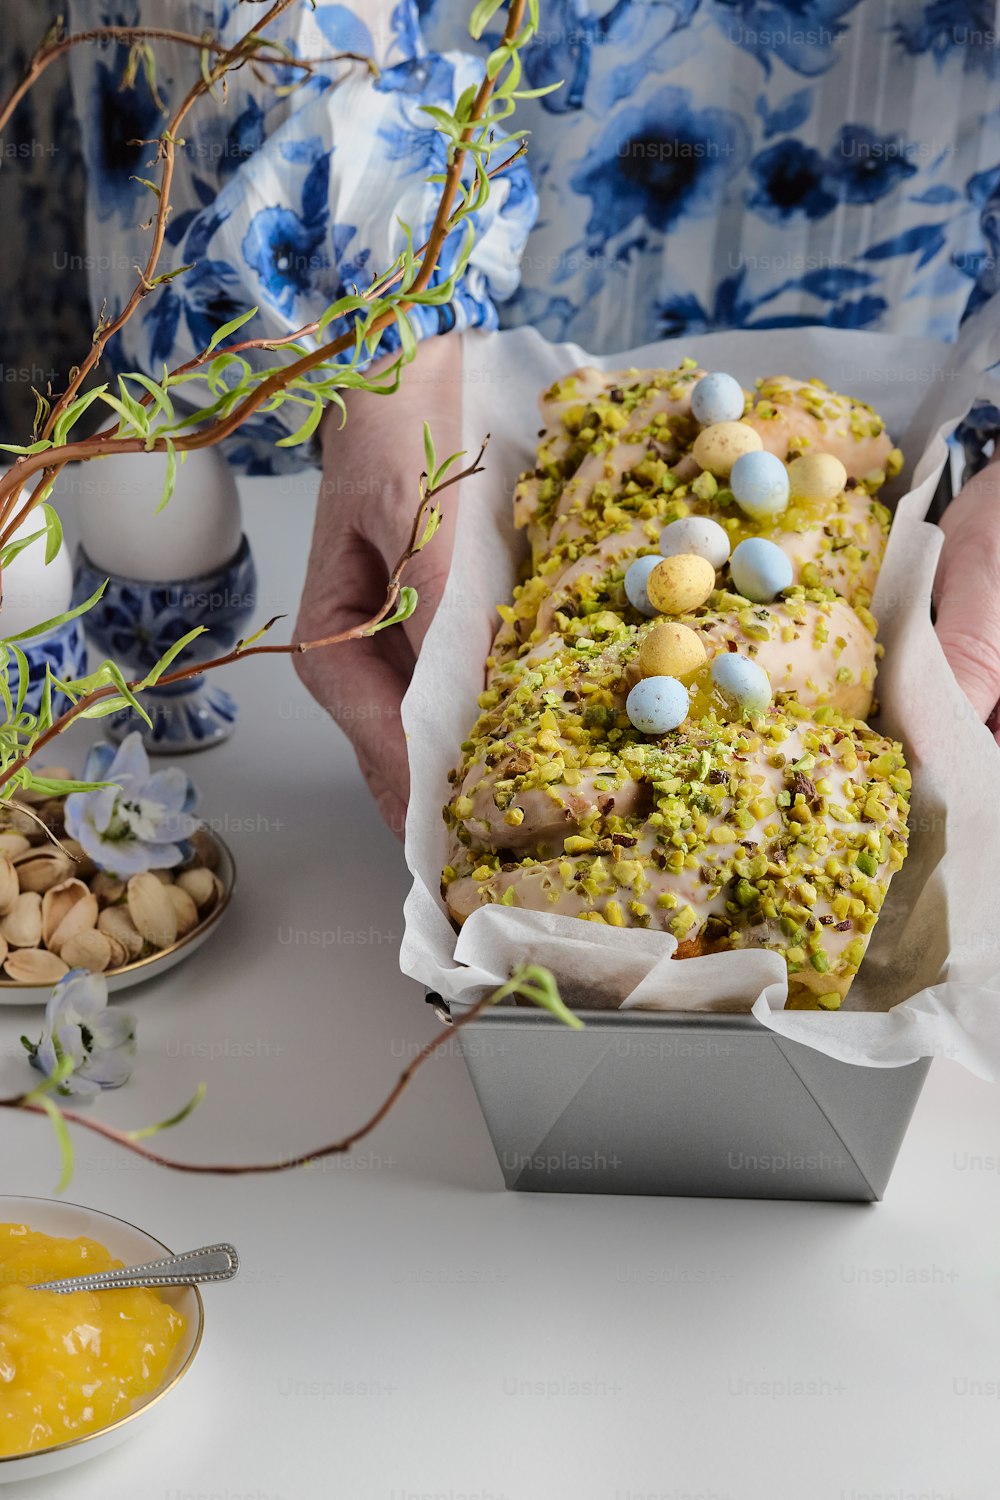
[79, 1372]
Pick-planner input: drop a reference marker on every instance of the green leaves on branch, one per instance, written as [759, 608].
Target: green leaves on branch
[404, 609]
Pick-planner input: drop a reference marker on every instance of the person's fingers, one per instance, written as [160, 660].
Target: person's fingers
[967, 592]
[360, 682]
[387, 528]
[390, 805]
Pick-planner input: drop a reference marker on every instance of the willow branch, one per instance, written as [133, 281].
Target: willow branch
[49, 52]
[283, 1164]
[243, 653]
[104, 443]
[168, 146]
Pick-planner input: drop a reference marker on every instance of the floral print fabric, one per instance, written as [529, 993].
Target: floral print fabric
[707, 164]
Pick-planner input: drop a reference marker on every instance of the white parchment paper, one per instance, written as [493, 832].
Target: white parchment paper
[930, 982]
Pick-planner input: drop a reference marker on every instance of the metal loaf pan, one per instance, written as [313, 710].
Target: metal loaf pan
[685, 1104]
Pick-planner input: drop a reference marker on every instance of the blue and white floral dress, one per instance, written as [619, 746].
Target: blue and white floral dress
[707, 164]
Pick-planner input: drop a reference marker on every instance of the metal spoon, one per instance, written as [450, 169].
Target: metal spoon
[211, 1263]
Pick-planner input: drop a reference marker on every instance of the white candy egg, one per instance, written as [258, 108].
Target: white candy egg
[699, 535]
[197, 531]
[744, 686]
[34, 590]
[657, 704]
[760, 483]
[760, 570]
[636, 578]
[717, 398]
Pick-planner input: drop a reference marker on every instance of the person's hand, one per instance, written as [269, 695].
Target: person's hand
[967, 592]
[367, 501]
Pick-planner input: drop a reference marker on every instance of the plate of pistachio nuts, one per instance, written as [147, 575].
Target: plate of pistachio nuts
[58, 912]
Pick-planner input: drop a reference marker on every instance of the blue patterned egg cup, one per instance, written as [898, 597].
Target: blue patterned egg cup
[64, 650]
[135, 622]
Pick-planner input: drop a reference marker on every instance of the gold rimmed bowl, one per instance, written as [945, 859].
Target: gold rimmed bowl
[128, 1243]
[13, 992]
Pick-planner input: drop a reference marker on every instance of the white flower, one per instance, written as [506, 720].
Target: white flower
[138, 823]
[78, 1025]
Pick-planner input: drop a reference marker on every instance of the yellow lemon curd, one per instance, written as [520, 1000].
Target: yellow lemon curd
[72, 1363]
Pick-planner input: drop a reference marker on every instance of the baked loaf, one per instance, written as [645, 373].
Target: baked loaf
[774, 824]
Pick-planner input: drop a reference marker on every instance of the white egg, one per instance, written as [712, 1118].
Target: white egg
[34, 590]
[717, 398]
[116, 499]
[657, 704]
[699, 535]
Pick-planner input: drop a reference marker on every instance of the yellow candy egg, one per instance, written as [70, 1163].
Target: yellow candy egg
[680, 583]
[717, 448]
[671, 650]
[817, 477]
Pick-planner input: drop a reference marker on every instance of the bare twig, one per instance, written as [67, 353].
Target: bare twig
[287, 1163]
[49, 52]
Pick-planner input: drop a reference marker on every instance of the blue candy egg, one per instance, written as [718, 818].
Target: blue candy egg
[760, 570]
[744, 686]
[636, 578]
[760, 483]
[699, 535]
[717, 398]
[657, 704]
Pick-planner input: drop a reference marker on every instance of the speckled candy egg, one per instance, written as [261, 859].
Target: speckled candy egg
[681, 583]
[699, 535]
[717, 448]
[671, 650]
[657, 704]
[760, 483]
[760, 570]
[745, 687]
[636, 579]
[817, 476]
[717, 398]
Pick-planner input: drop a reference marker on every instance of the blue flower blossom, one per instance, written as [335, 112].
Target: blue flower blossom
[140, 821]
[99, 1042]
[660, 163]
[790, 180]
[863, 166]
[285, 252]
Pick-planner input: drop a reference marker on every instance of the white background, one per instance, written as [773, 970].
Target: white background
[405, 1328]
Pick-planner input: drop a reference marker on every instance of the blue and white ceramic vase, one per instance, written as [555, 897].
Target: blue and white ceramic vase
[64, 650]
[137, 620]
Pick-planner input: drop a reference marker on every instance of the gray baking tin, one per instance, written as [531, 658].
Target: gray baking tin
[685, 1104]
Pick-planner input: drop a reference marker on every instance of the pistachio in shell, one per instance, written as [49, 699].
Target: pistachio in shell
[40, 869]
[116, 923]
[206, 850]
[107, 888]
[184, 909]
[22, 925]
[152, 910]
[34, 966]
[118, 953]
[202, 885]
[67, 908]
[9, 887]
[88, 949]
[13, 843]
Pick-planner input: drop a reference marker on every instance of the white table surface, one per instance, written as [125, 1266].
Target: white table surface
[403, 1328]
